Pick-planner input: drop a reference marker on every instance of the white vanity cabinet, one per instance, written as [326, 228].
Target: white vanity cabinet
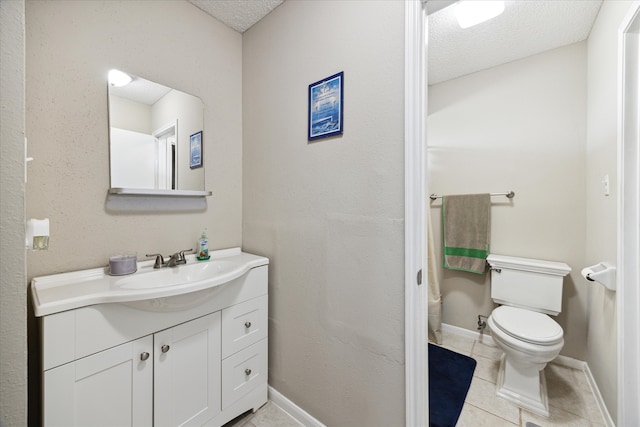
[193, 359]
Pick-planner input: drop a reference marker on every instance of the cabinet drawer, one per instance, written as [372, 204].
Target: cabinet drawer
[244, 372]
[243, 325]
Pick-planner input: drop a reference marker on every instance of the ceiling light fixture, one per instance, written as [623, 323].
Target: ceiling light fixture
[472, 12]
[117, 78]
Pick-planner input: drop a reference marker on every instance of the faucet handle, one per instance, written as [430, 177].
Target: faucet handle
[182, 252]
[159, 260]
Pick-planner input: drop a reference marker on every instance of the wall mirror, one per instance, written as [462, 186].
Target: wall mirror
[155, 138]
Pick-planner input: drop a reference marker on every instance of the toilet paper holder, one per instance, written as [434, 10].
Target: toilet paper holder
[603, 273]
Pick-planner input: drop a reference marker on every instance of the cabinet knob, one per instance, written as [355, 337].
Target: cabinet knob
[165, 348]
[144, 356]
[247, 325]
[247, 372]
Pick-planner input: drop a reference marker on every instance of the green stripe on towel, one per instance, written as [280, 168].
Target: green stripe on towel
[471, 253]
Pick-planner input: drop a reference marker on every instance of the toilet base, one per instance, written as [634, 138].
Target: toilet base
[525, 386]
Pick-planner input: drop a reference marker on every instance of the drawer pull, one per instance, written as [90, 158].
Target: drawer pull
[144, 356]
[165, 348]
[247, 325]
[247, 372]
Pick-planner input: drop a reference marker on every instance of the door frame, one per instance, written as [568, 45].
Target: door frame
[169, 163]
[628, 286]
[416, 354]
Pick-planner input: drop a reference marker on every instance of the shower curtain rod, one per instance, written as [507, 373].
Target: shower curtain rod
[509, 194]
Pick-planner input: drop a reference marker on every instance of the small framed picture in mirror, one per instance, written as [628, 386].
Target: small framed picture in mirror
[195, 146]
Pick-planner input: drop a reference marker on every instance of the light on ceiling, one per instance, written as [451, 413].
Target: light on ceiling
[117, 78]
[472, 12]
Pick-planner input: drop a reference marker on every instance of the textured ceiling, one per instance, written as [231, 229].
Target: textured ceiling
[237, 14]
[526, 27]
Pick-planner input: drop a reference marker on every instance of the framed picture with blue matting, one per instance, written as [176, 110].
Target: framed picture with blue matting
[326, 107]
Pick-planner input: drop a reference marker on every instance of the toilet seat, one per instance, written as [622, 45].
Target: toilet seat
[528, 326]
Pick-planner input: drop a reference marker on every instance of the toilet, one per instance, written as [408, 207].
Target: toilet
[529, 291]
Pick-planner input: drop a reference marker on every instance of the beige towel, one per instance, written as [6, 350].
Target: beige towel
[465, 232]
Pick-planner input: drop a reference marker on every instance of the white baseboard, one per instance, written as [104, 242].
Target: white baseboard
[566, 361]
[485, 337]
[299, 414]
[569, 362]
[596, 393]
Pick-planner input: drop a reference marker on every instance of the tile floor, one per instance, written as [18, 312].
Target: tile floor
[270, 415]
[571, 400]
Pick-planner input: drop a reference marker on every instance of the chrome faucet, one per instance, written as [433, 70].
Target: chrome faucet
[175, 259]
[178, 258]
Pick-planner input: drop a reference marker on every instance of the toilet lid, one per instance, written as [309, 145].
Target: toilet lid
[528, 326]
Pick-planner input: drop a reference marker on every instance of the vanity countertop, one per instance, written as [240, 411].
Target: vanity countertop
[66, 291]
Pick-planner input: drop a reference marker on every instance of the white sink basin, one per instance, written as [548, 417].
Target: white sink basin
[183, 274]
[66, 291]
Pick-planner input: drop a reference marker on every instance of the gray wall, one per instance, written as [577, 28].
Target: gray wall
[329, 214]
[519, 126]
[71, 45]
[13, 288]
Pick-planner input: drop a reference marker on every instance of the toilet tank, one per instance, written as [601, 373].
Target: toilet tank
[528, 283]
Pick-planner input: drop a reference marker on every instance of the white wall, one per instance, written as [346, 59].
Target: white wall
[601, 243]
[330, 214]
[521, 127]
[133, 157]
[71, 45]
[13, 289]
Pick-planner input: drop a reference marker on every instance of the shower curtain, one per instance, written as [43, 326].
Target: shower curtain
[435, 299]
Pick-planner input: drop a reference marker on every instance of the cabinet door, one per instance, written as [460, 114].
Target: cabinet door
[187, 373]
[110, 388]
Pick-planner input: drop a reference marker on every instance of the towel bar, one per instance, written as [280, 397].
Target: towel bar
[509, 194]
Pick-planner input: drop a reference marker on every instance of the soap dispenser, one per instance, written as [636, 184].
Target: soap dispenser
[203, 247]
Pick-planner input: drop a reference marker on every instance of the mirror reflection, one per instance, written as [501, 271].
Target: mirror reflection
[150, 126]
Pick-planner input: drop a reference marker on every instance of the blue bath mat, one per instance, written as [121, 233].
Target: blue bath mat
[450, 375]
